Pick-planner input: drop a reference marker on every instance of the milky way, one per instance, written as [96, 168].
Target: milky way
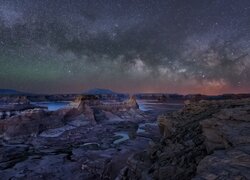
[61, 46]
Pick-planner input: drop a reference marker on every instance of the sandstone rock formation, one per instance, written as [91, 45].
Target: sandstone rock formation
[86, 110]
[32, 122]
[29, 123]
[132, 102]
[232, 163]
[229, 127]
[91, 100]
[204, 140]
[227, 137]
[220, 127]
[91, 139]
[83, 111]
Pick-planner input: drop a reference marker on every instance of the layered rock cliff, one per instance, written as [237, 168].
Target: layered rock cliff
[85, 110]
[205, 140]
[31, 122]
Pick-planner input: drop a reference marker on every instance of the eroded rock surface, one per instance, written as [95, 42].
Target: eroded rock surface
[94, 140]
[84, 141]
[229, 127]
[232, 163]
[205, 134]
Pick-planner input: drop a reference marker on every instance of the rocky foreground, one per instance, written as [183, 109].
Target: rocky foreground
[88, 140]
[205, 140]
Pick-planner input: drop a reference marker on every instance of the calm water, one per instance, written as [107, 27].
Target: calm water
[52, 106]
[124, 136]
[155, 108]
[141, 128]
[149, 105]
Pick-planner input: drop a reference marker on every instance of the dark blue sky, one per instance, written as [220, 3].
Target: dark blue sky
[130, 46]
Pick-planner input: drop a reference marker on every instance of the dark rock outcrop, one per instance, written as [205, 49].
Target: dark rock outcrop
[232, 163]
[189, 136]
[229, 127]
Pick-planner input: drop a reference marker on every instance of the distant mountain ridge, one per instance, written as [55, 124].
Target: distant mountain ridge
[12, 92]
[9, 92]
[99, 91]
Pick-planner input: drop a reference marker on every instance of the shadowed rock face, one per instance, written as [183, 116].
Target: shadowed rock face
[220, 128]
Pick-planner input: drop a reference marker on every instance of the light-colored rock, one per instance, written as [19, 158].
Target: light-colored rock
[132, 102]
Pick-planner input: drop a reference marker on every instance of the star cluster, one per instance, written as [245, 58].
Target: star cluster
[61, 46]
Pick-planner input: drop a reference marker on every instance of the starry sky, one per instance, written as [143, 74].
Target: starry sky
[173, 46]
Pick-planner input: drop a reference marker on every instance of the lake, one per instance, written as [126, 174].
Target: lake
[154, 105]
[52, 106]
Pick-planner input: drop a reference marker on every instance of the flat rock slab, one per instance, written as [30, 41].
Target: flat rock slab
[233, 163]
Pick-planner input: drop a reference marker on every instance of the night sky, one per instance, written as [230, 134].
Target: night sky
[180, 46]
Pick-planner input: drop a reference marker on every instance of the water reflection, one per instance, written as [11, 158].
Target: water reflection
[52, 106]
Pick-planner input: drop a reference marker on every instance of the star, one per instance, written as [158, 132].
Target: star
[127, 46]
